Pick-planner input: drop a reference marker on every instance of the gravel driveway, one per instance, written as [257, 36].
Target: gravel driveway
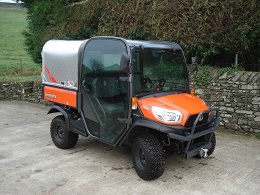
[31, 164]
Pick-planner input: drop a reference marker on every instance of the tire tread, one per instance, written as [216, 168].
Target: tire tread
[154, 150]
[70, 139]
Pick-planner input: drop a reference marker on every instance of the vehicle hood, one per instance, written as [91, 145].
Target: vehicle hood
[185, 103]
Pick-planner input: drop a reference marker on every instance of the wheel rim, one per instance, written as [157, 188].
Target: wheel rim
[59, 133]
[140, 158]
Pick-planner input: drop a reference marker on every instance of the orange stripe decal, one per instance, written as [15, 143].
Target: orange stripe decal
[51, 77]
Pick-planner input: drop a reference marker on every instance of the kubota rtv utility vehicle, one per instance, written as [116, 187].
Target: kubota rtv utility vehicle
[128, 92]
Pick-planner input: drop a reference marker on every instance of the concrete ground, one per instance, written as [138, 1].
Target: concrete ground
[31, 164]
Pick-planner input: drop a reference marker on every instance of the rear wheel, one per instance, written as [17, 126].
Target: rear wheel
[147, 154]
[60, 135]
[206, 138]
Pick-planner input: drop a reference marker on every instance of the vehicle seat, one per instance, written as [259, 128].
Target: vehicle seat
[105, 88]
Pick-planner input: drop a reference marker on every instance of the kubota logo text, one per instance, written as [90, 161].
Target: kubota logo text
[50, 95]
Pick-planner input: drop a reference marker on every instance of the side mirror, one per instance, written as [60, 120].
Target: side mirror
[194, 63]
[125, 59]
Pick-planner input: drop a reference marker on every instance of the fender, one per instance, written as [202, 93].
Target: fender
[135, 128]
[57, 108]
[146, 123]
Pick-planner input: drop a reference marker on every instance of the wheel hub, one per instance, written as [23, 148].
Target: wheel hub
[59, 133]
[140, 157]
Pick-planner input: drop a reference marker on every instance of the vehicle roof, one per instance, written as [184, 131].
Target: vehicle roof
[153, 44]
[145, 44]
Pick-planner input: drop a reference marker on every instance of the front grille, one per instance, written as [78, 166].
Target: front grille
[192, 119]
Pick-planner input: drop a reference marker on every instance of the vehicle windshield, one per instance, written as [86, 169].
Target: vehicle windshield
[159, 70]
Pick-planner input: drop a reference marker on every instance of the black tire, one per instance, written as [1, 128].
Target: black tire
[205, 138]
[148, 157]
[60, 135]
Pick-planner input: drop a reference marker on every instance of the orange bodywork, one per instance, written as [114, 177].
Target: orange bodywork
[185, 103]
[62, 96]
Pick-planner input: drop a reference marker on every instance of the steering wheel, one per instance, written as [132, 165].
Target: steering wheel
[158, 84]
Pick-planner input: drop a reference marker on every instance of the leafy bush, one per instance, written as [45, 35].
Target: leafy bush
[206, 74]
[203, 76]
[213, 30]
[230, 70]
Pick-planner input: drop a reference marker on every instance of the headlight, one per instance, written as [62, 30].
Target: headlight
[166, 115]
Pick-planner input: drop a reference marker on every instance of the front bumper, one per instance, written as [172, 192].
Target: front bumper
[194, 132]
[182, 134]
[193, 135]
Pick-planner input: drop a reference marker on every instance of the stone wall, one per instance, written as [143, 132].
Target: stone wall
[236, 95]
[238, 98]
[28, 91]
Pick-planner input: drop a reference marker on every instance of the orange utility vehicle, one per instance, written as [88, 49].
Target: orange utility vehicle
[128, 92]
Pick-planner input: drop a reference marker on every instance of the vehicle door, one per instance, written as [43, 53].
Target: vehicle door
[105, 94]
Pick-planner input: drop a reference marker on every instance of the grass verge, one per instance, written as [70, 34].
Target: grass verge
[15, 62]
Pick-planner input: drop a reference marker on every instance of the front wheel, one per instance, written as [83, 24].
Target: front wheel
[60, 135]
[147, 154]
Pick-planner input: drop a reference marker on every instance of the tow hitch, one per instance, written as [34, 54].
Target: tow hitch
[203, 153]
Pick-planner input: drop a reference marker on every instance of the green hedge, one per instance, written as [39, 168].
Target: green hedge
[213, 30]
